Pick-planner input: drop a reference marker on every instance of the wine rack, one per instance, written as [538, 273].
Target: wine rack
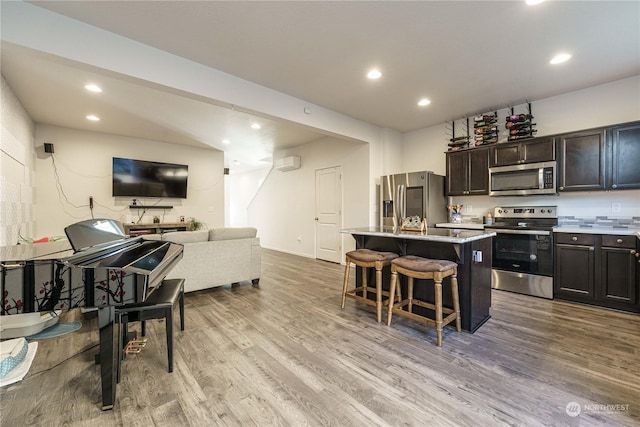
[485, 129]
[520, 126]
[458, 142]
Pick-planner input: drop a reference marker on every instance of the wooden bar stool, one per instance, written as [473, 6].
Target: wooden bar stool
[415, 267]
[367, 258]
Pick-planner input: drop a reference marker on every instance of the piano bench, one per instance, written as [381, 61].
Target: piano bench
[159, 305]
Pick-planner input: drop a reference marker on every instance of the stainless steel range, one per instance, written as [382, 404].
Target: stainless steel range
[523, 249]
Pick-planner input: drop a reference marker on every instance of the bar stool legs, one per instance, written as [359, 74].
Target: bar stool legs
[422, 268]
[366, 258]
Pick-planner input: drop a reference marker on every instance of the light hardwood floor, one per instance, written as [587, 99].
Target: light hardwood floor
[285, 354]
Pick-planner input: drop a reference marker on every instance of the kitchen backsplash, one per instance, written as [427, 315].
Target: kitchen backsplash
[599, 221]
[586, 222]
[579, 204]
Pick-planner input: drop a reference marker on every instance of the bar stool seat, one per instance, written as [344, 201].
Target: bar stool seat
[159, 305]
[415, 267]
[367, 258]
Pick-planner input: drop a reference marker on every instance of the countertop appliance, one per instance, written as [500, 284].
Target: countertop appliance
[523, 249]
[523, 179]
[413, 193]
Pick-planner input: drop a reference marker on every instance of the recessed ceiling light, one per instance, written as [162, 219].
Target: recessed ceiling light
[374, 74]
[424, 101]
[93, 118]
[93, 88]
[236, 162]
[226, 141]
[560, 58]
[255, 126]
[533, 2]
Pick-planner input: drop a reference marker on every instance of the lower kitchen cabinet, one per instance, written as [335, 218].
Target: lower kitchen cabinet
[618, 269]
[597, 269]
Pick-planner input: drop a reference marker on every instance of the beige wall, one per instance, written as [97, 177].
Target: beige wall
[284, 208]
[17, 165]
[83, 162]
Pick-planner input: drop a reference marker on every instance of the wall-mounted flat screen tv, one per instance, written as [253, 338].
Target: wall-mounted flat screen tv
[142, 178]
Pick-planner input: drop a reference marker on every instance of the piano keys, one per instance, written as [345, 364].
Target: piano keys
[97, 267]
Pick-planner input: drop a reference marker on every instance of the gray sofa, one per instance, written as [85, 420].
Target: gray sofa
[216, 257]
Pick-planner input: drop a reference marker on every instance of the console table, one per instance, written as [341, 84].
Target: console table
[157, 228]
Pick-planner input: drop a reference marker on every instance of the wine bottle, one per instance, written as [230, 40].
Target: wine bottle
[526, 131]
[484, 118]
[511, 125]
[519, 117]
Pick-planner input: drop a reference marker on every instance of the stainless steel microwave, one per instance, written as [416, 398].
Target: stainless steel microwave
[523, 179]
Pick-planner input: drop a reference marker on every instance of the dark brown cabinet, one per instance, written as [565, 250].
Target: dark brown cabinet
[624, 160]
[599, 159]
[618, 269]
[598, 269]
[468, 172]
[581, 161]
[527, 151]
[571, 251]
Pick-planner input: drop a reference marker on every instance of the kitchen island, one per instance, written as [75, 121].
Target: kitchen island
[470, 249]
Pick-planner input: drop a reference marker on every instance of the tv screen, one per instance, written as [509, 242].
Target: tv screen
[141, 178]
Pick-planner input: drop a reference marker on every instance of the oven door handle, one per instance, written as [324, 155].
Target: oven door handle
[509, 231]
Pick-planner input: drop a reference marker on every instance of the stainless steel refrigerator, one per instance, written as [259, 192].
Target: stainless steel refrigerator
[413, 193]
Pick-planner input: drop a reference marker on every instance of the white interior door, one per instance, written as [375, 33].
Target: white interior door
[329, 213]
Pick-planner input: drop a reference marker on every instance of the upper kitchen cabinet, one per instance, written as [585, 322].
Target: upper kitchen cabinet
[624, 164]
[581, 160]
[468, 172]
[600, 159]
[526, 151]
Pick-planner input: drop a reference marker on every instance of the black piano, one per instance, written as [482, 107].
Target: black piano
[97, 267]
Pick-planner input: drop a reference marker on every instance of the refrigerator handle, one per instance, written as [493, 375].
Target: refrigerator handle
[399, 207]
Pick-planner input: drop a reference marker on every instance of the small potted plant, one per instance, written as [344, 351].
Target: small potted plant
[194, 224]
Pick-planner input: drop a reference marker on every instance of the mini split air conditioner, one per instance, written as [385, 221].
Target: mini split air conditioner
[288, 163]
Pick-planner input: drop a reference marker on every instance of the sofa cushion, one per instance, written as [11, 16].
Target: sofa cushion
[152, 236]
[186, 236]
[230, 233]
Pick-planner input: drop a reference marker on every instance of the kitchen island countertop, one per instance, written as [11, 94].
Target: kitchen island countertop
[431, 234]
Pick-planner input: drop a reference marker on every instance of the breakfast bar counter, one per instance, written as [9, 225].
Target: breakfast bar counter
[470, 249]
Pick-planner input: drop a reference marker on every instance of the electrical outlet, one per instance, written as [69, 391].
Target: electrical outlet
[469, 209]
[616, 207]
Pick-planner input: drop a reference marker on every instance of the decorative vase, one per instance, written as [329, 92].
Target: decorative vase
[456, 217]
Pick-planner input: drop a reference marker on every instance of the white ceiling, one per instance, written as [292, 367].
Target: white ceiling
[467, 57]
